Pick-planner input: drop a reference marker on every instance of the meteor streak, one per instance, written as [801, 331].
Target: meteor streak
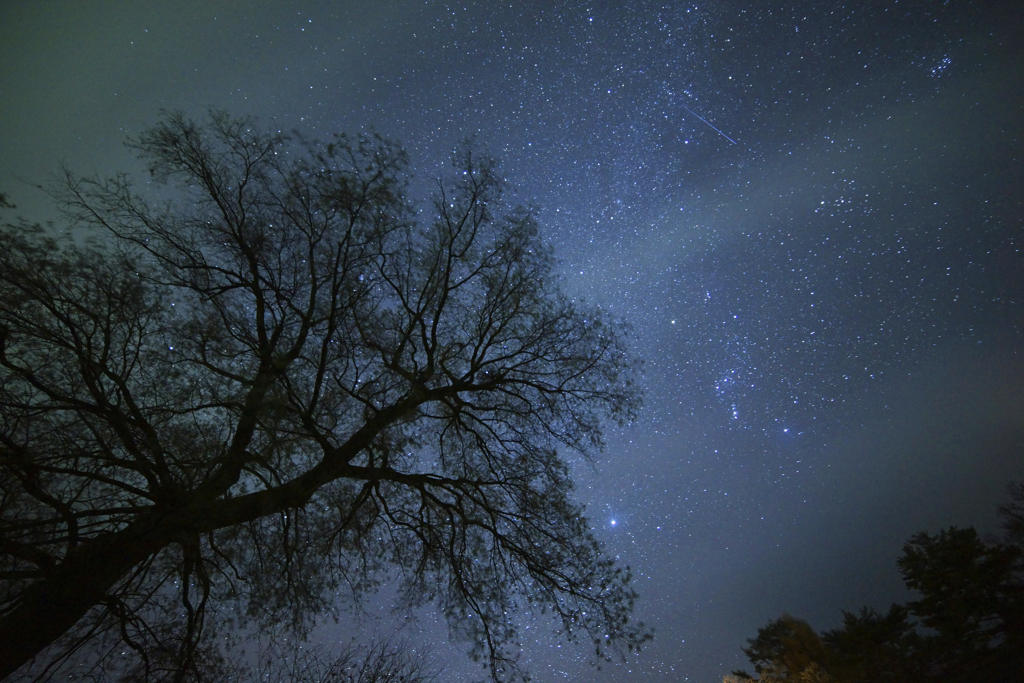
[706, 121]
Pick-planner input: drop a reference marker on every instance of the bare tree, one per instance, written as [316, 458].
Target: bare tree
[281, 384]
[382, 661]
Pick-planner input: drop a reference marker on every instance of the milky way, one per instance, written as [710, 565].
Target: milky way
[810, 213]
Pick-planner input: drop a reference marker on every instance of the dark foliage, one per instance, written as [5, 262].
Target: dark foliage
[875, 647]
[786, 644]
[967, 625]
[275, 386]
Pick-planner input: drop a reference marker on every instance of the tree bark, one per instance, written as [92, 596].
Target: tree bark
[52, 605]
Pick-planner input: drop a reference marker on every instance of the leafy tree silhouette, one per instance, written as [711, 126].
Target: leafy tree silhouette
[971, 606]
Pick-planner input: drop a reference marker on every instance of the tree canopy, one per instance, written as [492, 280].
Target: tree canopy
[276, 381]
[969, 619]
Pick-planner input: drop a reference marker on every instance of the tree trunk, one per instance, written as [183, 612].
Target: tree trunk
[55, 603]
[52, 605]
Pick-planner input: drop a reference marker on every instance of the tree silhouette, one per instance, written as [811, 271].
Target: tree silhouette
[1013, 514]
[383, 661]
[872, 647]
[276, 382]
[971, 603]
[784, 648]
[972, 597]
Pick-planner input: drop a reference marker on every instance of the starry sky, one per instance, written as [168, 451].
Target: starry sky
[811, 213]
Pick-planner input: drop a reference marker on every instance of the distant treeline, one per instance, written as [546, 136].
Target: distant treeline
[966, 626]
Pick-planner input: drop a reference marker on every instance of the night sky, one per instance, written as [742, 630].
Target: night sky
[811, 213]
